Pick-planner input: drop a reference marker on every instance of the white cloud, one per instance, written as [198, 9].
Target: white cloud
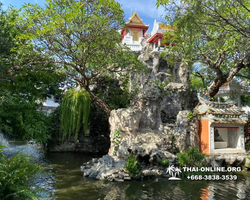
[145, 7]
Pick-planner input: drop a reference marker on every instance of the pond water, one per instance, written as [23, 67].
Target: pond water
[65, 182]
[68, 184]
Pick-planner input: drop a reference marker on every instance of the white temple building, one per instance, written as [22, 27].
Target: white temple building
[156, 36]
[49, 105]
[136, 30]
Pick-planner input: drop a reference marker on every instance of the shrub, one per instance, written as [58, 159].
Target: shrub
[191, 158]
[160, 84]
[132, 166]
[53, 131]
[1, 150]
[164, 162]
[16, 173]
[190, 115]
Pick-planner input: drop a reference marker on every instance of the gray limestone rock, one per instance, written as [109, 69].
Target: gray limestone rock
[156, 125]
[125, 120]
[226, 160]
[127, 178]
[107, 167]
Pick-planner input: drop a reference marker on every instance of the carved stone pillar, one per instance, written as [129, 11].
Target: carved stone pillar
[211, 132]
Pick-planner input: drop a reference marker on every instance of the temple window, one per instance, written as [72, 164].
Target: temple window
[135, 35]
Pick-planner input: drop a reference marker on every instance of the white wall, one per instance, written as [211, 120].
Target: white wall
[233, 138]
[223, 134]
[50, 102]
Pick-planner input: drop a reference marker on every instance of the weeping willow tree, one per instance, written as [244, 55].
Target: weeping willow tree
[75, 110]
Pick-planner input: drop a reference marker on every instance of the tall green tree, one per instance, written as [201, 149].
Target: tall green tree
[81, 37]
[7, 35]
[212, 32]
[21, 86]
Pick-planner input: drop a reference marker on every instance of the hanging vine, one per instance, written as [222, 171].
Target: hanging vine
[75, 110]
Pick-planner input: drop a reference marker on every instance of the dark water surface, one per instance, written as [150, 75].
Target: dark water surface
[68, 184]
[64, 181]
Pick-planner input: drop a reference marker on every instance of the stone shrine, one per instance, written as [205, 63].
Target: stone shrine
[221, 127]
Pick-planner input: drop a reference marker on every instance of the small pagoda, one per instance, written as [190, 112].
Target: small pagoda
[134, 32]
[156, 37]
[221, 126]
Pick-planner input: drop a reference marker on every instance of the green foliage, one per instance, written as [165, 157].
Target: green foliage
[216, 99]
[16, 175]
[116, 95]
[114, 92]
[210, 32]
[1, 150]
[190, 115]
[7, 35]
[75, 110]
[21, 119]
[245, 100]
[132, 166]
[116, 140]
[53, 130]
[201, 76]
[160, 84]
[196, 83]
[247, 134]
[105, 88]
[164, 162]
[82, 36]
[21, 86]
[191, 158]
[136, 90]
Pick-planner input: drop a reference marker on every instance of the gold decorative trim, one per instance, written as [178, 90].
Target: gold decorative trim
[137, 24]
[138, 20]
[219, 113]
[202, 113]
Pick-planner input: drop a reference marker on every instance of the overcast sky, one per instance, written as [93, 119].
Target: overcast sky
[146, 9]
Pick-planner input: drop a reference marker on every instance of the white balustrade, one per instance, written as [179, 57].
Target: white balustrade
[134, 47]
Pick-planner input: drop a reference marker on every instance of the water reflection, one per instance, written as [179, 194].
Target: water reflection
[69, 184]
[227, 189]
[62, 180]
